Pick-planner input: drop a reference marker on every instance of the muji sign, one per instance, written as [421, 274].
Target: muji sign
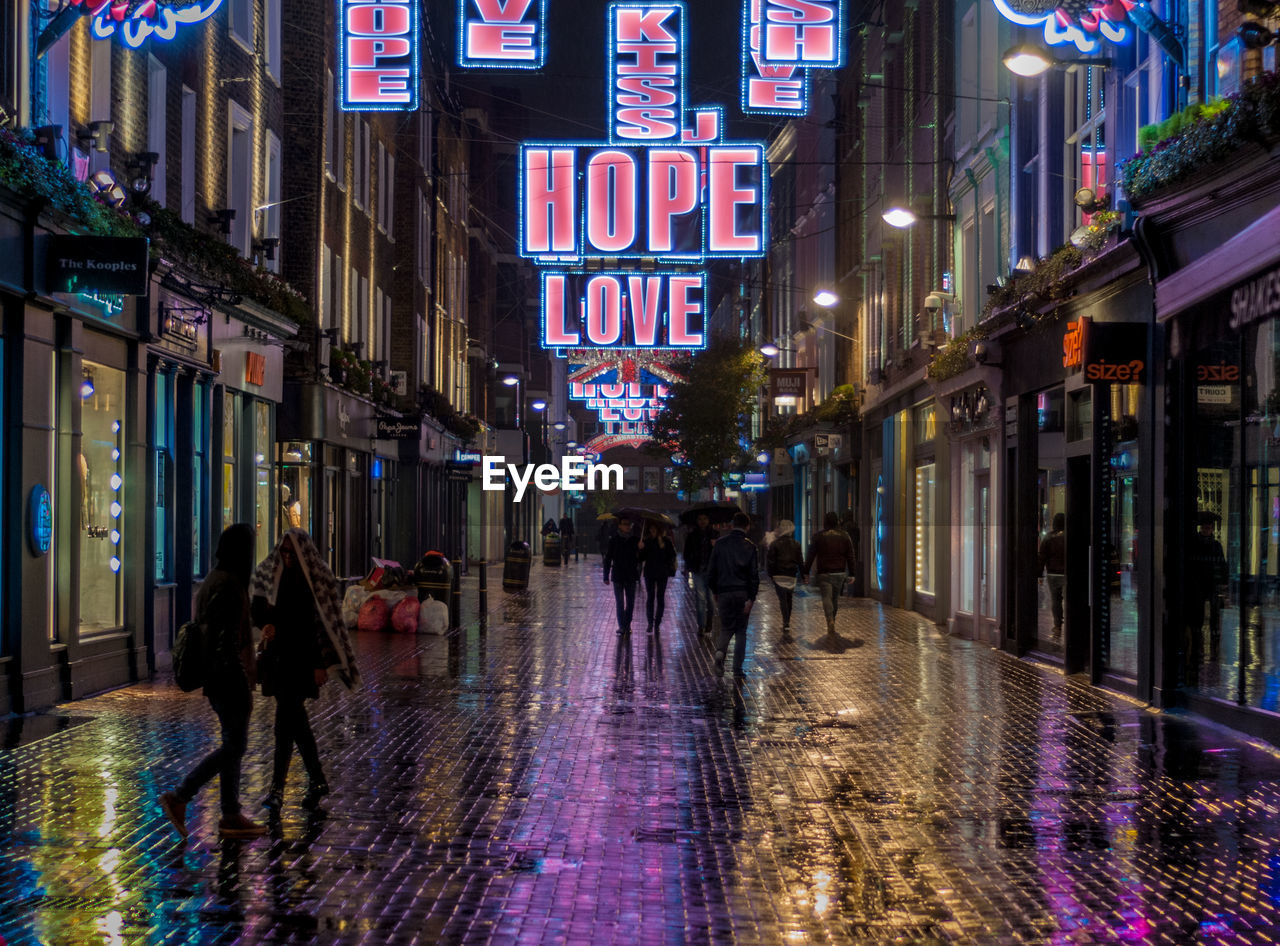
[378, 54]
[502, 34]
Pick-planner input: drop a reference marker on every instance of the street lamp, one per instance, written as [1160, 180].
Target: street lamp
[511, 380]
[1029, 61]
[902, 217]
[769, 350]
[538, 405]
[825, 298]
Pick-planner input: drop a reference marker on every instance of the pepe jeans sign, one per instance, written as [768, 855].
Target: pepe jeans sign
[98, 265]
[394, 428]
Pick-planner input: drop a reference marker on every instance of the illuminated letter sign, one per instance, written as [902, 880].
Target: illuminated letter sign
[378, 54]
[502, 34]
[802, 32]
[1114, 352]
[642, 202]
[646, 66]
[623, 310]
[768, 89]
[1071, 22]
[146, 21]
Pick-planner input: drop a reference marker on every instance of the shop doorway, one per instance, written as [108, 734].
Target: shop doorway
[1077, 635]
[985, 621]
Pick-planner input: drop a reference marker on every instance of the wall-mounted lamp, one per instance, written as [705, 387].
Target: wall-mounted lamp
[47, 138]
[560, 425]
[770, 350]
[222, 220]
[1089, 201]
[511, 381]
[539, 405]
[267, 247]
[1028, 60]
[98, 135]
[825, 298]
[1254, 35]
[903, 217]
[86, 385]
[143, 163]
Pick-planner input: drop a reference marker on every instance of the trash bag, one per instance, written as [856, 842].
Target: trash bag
[375, 615]
[352, 602]
[433, 618]
[404, 616]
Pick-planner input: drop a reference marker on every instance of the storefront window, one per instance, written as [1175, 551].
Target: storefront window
[1122, 551]
[262, 475]
[925, 423]
[925, 527]
[162, 439]
[100, 471]
[199, 441]
[229, 430]
[295, 487]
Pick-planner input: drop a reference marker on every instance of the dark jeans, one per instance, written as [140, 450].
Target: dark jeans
[567, 548]
[733, 623]
[294, 728]
[786, 597]
[624, 593]
[1056, 585]
[830, 585]
[655, 588]
[224, 761]
[703, 601]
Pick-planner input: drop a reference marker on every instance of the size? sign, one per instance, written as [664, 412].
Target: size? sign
[378, 55]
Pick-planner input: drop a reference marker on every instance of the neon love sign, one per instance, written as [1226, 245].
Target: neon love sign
[623, 310]
[502, 34]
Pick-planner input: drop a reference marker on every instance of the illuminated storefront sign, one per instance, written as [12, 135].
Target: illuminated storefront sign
[1114, 352]
[642, 202]
[768, 89]
[623, 310]
[1083, 24]
[502, 34]
[646, 70]
[135, 23]
[1073, 342]
[802, 33]
[378, 54]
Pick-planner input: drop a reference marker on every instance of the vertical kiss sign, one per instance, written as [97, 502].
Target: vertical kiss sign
[646, 68]
[378, 55]
[502, 34]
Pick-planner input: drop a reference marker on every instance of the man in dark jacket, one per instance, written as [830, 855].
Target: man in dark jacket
[1205, 583]
[222, 609]
[568, 535]
[832, 551]
[697, 554]
[733, 575]
[1053, 563]
[622, 561]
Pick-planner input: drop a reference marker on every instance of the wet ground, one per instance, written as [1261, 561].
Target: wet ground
[541, 780]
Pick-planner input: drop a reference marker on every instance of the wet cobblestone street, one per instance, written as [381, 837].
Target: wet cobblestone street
[541, 779]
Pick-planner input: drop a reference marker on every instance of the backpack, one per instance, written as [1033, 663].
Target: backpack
[188, 657]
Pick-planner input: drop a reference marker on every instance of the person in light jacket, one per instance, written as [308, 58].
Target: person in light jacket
[832, 552]
[784, 560]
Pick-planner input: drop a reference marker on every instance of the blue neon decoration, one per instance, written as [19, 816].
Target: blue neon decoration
[794, 33]
[148, 20]
[39, 520]
[501, 34]
[881, 530]
[1063, 23]
[378, 55]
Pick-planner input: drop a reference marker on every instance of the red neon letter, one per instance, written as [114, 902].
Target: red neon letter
[555, 333]
[725, 197]
[611, 201]
[494, 11]
[379, 85]
[363, 52]
[682, 308]
[378, 19]
[549, 197]
[644, 26]
[644, 293]
[501, 41]
[673, 190]
[604, 310]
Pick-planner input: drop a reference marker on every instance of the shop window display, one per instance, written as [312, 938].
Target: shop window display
[230, 428]
[1122, 548]
[296, 488]
[199, 512]
[100, 476]
[926, 514]
[262, 476]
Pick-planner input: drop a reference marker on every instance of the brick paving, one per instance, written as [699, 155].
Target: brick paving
[541, 780]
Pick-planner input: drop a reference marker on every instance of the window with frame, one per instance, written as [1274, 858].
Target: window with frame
[1085, 156]
[271, 213]
[271, 29]
[157, 107]
[230, 432]
[239, 175]
[102, 513]
[335, 139]
[262, 476]
[163, 488]
[99, 97]
[199, 475]
[240, 21]
[187, 209]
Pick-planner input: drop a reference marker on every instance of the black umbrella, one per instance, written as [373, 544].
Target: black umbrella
[716, 512]
[636, 513]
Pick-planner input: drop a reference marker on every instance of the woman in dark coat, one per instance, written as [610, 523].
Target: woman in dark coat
[296, 603]
[657, 564]
[784, 561]
[222, 608]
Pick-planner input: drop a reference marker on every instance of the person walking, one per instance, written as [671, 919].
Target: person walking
[658, 557]
[1205, 584]
[697, 555]
[1053, 563]
[297, 603]
[832, 551]
[622, 561]
[567, 535]
[602, 536]
[733, 575]
[222, 609]
[783, 562]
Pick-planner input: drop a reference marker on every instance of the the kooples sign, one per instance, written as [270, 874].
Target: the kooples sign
[502, 34]
[623, 310]
[646, 63]
[599, 200]
[802, 32]
[378, 54]
[116, 265]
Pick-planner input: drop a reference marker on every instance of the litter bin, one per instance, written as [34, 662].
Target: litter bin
[515, 569]
[551, 550]
[434, 577]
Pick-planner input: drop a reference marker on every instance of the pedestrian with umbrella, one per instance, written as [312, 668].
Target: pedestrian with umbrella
[658, 558]
[622, 563]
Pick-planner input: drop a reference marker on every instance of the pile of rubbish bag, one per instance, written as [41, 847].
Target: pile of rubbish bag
[387, 600]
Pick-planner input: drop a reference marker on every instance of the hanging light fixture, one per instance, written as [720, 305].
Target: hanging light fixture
[86, 385]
